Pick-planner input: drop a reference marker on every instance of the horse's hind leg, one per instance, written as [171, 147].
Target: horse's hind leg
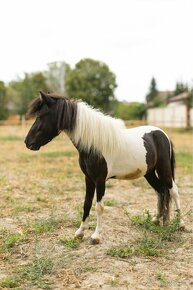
[157, 186]
[175, 195]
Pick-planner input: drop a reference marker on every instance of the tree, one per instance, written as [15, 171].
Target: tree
[93, 82]
[27, 89]
[55, 76]
[151, 97]
[130, 111]
[180, 88]
[3, 101]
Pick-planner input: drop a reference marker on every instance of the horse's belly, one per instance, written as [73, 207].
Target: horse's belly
[125, 167]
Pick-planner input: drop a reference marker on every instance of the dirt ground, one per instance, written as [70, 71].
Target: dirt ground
[41, 199]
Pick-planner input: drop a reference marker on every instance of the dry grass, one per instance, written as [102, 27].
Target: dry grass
[41, 203]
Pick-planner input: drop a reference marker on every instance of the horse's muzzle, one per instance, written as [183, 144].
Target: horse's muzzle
[32, 146]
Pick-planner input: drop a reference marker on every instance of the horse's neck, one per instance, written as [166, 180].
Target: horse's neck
[95, 131]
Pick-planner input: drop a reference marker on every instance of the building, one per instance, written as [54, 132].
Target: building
[178, 113]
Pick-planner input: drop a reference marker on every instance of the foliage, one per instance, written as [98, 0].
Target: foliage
[130, 111]
[3, 101]
[180, 88]
[151, 97]
[93, 82]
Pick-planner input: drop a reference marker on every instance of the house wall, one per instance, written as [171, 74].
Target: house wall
[173, 116]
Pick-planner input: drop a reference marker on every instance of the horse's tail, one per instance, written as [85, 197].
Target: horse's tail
[165, 197]
[172, 161]
[165, 200]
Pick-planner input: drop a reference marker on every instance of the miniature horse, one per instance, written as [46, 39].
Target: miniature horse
[107, 149]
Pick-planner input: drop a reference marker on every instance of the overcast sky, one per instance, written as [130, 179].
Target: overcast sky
[137, 39]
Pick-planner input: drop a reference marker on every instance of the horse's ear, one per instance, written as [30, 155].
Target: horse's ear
[45, 98]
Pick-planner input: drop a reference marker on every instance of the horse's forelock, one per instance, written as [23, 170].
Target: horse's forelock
[33, 108]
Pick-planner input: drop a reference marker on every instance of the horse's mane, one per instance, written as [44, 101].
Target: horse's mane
[97, 131]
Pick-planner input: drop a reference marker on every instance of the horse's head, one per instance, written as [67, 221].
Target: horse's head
[45, 127]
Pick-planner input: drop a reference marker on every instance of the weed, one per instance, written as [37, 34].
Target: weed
[111, 202]
[9, 282]
[34, 273]
[12, 240]
[46, 225]
[162, 279]
[70, 243]
[121, 252]
[164, 233]
[144, 247]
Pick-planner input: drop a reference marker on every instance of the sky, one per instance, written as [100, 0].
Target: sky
[137, 39]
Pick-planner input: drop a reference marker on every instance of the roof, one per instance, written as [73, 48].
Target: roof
[181, 97]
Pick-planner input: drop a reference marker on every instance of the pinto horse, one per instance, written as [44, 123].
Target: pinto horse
[107, 149]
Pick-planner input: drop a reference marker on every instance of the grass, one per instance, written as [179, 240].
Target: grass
[56, 154]
[9, 282]
[9, 240]
[185, 160]
[162, 279]
[11, 138]
[168, 233]
[42, 195]
[46, 225]
[70, 243]
[33, 274]
[154, 241]
[144, 247]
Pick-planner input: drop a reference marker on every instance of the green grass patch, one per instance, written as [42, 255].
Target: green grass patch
[155, 239]
[110, 202]
[185, 160]
[46, 225]
[70, 243]
[168, 233]
[34, 273]
[162, 279]
[144, 247]
[9, 240]
[56, 154]
[9, 282]
[11, 138]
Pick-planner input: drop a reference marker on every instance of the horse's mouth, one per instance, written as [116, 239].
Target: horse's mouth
[33, 147]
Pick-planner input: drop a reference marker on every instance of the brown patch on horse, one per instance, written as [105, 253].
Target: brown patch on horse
[132, 175]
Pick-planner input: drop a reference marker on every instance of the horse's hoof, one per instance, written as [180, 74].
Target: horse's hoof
[182, 228]
[79, 236]
[94, 241]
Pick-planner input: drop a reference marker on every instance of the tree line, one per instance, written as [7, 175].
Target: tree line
[90, 80]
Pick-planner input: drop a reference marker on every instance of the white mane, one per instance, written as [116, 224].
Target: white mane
[96, 131]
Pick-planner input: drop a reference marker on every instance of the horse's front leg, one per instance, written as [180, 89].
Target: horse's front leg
[100, 190]
[90, 189]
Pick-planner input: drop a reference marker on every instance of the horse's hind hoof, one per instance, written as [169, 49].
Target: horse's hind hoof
[182, 228]
[94, 241]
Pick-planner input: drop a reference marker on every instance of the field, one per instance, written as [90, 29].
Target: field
[41, 199]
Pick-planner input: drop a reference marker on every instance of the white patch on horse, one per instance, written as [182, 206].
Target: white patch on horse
[80, 232]
[95, 238]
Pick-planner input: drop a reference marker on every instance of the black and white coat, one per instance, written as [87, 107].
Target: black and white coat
[107, 149]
